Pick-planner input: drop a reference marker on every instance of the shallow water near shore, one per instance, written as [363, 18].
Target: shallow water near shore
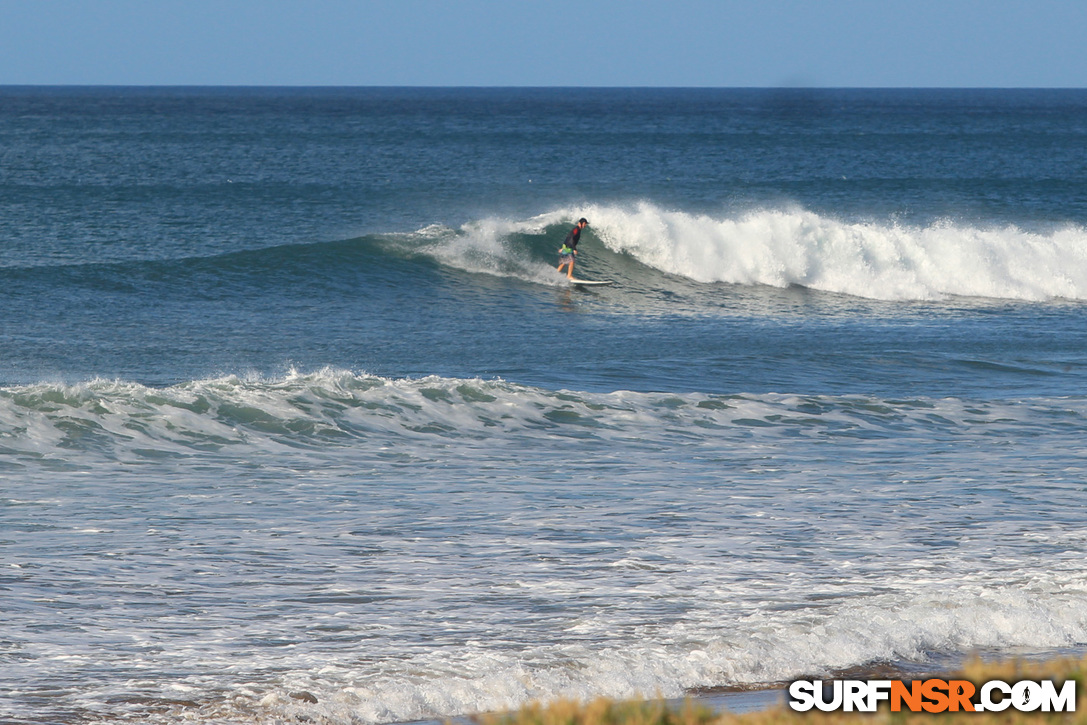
[292, 399]
[741, 700]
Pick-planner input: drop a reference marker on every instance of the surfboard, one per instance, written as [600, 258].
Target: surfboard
[591, 282]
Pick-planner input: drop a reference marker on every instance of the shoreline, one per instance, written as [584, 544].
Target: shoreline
[740, 699]
[768, 706]
[761, 697]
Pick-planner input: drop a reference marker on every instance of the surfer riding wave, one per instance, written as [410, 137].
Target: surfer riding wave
[569, 248]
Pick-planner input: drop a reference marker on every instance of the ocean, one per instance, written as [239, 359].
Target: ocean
[299, 422]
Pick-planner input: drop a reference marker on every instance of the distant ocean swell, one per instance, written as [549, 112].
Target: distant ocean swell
[335, 408]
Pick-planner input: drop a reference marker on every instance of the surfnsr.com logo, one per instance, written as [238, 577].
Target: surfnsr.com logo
[932, 695]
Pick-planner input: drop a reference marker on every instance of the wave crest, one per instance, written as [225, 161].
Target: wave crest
[637, 245]
[58, 424]
[888, 261]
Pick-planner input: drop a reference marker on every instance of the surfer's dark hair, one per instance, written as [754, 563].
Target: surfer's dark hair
[582, 220]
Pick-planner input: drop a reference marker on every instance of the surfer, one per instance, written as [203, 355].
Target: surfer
[569, 247]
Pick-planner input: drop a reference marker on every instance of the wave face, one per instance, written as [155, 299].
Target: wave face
[415, 548]
[333, 411]
[636, 244]
[879, 260]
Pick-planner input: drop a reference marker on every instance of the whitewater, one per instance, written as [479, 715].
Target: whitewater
[881, 260]
[749, 569]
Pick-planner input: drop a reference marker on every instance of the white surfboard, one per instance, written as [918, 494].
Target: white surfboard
[590, 282]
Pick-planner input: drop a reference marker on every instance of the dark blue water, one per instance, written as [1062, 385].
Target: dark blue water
[211, 230]
[293, 399]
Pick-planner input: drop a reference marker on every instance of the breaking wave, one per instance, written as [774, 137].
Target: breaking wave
[642, 247]
[332, 408]
[790, 247]
[459, 545]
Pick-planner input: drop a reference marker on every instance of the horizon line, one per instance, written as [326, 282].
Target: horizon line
[536, 87]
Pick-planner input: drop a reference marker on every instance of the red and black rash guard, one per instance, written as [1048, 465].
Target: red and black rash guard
[572, 238]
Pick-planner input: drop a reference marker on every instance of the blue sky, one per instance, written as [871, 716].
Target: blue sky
[765, 43]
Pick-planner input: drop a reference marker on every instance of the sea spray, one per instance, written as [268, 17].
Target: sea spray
[878, 260]
[334, 409]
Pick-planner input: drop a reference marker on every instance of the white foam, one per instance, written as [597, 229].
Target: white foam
[421, 548]
[879, 260]
[883, 260]
[483, 247]
[327, 409]
[714, 644]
